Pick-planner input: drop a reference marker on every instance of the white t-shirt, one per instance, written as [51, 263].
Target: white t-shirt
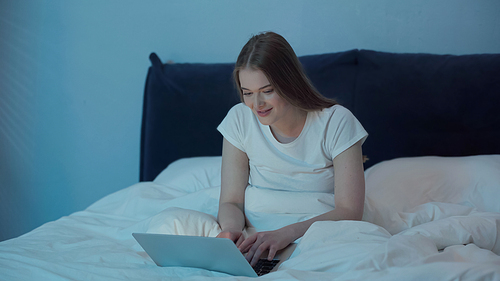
[303, 165]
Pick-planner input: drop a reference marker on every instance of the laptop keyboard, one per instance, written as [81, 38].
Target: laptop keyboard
[264, 266]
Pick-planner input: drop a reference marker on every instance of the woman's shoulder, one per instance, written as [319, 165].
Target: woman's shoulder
[334, 117]
[239, 110]
[335, 110]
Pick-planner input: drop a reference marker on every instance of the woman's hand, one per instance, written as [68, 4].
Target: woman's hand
[260, 242]
[236, 236]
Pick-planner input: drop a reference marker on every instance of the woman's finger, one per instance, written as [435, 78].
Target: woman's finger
[256, 250]
[240, 240]
[252, 250]
[246, 249]
[221, 235]
[247, 243]
[234, 236]
[260, 249]
[272, 253]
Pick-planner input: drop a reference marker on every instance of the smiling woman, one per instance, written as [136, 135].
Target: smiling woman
[286, 120]
[284, 137]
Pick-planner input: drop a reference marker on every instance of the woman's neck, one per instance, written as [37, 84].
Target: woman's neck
[289, 130]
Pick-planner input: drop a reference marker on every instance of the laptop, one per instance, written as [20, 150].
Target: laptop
[217, 254]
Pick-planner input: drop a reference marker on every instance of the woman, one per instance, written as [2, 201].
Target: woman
[285, 137]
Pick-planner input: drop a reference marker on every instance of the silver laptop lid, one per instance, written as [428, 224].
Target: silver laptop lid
[218, 254]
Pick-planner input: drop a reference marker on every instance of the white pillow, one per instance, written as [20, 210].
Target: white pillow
[178, 221]
[402, 184]
[192, 174]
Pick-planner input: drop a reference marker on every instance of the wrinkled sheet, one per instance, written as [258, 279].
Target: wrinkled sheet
[441, 241]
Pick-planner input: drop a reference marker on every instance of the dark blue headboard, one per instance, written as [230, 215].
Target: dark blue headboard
[410, 104]
[423, 104]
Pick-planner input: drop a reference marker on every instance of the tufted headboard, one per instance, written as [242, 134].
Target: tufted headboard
[410, 104]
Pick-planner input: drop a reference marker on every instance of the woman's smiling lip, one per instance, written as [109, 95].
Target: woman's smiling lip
[264, 113]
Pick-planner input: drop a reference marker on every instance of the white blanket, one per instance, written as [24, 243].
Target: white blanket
[419, 226]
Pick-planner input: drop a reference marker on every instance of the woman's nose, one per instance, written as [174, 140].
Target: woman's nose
[259, 101]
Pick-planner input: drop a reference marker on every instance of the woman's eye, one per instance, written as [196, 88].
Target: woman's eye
[268, 91]
[247, 93]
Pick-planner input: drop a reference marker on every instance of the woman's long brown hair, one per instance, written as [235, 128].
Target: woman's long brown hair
[270, 53]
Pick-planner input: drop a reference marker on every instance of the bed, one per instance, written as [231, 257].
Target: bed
[432, 208]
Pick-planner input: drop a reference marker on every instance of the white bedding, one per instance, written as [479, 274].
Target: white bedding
[436, 219]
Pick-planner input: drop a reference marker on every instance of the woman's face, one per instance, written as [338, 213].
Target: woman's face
[259, 95]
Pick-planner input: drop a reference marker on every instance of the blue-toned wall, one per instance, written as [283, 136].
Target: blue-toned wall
[72, 75]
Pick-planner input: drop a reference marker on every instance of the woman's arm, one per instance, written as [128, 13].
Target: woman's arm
[234, 181]
[349, 204]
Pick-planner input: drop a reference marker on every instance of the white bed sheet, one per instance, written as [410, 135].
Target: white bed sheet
[428, 241]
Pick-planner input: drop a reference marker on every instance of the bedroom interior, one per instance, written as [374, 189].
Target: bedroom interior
[86, 131]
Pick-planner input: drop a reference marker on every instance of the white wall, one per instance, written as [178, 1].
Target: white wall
[72, 75]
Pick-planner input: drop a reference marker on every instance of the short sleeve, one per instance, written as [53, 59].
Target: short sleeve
[232, 126]
[344, 130]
